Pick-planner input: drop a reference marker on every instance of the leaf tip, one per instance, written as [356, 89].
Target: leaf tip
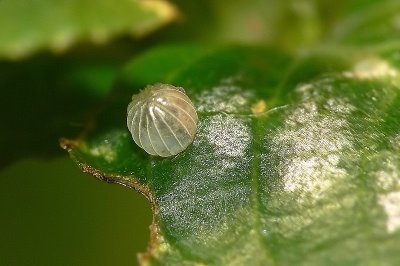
[163, 9]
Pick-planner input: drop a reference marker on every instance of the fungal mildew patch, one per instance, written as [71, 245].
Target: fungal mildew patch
[229, 136]
[388, 182]
[217, 178]
[302, 168]
[224, 98]
[310, 143]
[105, 151]
[107, 146]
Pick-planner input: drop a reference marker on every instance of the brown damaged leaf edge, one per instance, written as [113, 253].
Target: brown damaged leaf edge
[69, 145]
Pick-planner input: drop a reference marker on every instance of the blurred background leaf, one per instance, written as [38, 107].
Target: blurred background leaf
[293, 25]
[30, 26]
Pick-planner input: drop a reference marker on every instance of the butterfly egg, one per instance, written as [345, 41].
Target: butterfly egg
[162, 120]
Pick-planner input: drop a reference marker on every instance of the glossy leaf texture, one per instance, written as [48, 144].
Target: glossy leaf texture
[30, 26]
[295, 162]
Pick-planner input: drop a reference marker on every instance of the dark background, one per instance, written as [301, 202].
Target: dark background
[53, 214]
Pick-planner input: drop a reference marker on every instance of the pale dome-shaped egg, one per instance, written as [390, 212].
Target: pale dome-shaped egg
[162, 120]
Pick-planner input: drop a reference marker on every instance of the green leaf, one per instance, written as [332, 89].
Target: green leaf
[29, 26]
[296, 160]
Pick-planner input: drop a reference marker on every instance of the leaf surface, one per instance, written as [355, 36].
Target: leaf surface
[295, 162]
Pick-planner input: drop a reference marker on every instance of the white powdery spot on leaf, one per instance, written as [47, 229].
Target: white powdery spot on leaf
[204, 196]
[339, 105]
[388, 177]
[395, 142]
[391, 204]
[388, 174]
[185, 205]
[310, 144]
[224, 98]
[108, 146]
[304, 175]
[228, 135]
[370, 69]
[104, 150]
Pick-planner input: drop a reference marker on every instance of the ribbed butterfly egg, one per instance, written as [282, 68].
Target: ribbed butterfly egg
[162, 120]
